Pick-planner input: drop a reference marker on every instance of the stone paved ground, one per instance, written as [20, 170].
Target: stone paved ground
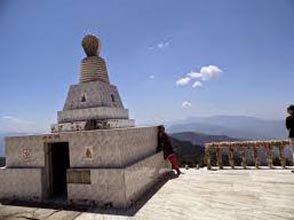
[199, 194]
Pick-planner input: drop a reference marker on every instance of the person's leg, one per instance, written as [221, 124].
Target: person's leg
[174, 163]
[170, 159]
[292, 148]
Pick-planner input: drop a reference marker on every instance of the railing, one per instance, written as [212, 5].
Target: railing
[242, 146]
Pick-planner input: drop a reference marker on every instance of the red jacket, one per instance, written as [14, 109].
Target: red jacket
[165, 145]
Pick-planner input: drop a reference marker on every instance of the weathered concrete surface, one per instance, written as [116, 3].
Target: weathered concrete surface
[199, 194]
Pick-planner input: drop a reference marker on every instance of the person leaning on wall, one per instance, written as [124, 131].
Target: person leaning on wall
[290, 128]
[168, 152]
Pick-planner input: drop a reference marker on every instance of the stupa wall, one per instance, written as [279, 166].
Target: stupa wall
[92, 113]
[96, 94]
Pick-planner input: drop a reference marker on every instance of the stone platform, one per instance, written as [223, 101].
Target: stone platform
[198, 194]
[105, 167]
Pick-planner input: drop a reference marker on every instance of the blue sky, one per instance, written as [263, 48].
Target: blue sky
[148, 47]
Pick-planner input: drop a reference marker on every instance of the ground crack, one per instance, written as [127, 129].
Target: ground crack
[53, 213]
[30, 218]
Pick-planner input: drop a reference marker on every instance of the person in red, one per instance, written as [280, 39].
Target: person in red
[168, 152]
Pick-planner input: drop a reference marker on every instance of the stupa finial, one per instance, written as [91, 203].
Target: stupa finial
[91, 45]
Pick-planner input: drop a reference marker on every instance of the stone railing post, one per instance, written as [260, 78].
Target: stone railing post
[281, 155]
[243, 156]
[219, 158]
[207, 156]
[268, 147]
[231, 157]
[255, 156]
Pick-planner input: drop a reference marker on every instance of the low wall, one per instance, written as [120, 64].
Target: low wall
[140, 176]
[111, 148]
[21, 184]
[118, 187]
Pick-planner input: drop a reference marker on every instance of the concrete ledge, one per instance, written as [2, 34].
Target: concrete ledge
[92, 113]
[101, 124]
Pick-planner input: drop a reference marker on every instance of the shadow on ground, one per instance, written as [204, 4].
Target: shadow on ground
[131, 211]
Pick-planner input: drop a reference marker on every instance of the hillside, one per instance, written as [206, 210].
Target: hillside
[187, 152]
[189, 146]
[201, 139]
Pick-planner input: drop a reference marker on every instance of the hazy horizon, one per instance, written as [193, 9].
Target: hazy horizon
[14, 125]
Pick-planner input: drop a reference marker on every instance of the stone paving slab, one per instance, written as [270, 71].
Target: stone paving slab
[198, 194]
[24, 213]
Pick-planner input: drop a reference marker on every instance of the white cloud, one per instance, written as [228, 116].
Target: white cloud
[160, 45]
[197, 84]
[186, 104]
[206, 73]
[209, 72]
[183, 81]
[163, 44]
[151, 77]
[194, 75]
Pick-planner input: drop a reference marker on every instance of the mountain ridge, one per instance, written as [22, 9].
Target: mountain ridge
[240, 127]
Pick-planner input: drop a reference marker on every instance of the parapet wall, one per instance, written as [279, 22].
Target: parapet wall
[109, 148]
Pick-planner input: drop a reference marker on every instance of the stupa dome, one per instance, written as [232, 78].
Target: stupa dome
[91, 45]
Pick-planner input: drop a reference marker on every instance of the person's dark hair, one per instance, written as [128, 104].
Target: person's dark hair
[290, 109]
[161, 128]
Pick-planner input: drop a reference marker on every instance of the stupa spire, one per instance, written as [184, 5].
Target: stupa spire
[93, 66]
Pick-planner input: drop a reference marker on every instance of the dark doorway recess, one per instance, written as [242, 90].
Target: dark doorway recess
[59, 165]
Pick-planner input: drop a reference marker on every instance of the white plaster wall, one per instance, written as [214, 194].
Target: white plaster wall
[97, 94]
[140, 142]
[114, 147]
[110, 147]
[107, 186]
[17, 147]
[142, 175]
[23, 184]
[120, 187]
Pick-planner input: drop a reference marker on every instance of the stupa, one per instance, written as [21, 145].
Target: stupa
[94, 155]
[94, 103]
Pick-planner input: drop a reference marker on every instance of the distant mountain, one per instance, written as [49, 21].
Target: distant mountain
[240, 127]
[201, 139]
